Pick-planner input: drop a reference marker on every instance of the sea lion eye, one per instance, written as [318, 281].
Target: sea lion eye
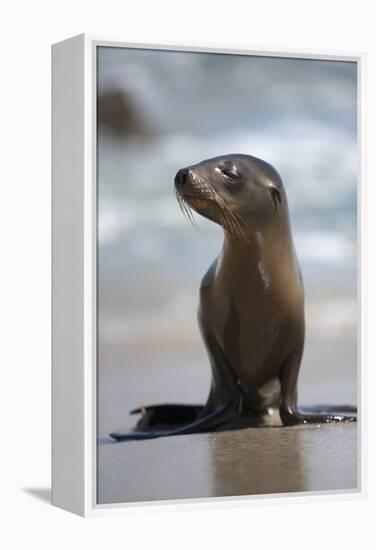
[230, 174]
[276, 195]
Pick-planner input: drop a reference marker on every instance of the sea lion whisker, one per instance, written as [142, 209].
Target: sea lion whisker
[180, 203]
[186, 210]
[229, 222]
[234, 226]
[238, 220]
[224, 218]
[191, 216]
[242, 222]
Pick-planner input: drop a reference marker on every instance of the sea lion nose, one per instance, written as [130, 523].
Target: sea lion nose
[182, 175]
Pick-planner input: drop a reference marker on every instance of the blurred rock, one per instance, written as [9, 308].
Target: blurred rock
[117, 112]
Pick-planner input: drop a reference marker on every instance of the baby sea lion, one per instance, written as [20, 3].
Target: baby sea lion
[251, 311]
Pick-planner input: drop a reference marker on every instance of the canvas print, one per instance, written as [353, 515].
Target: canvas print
[227, 275]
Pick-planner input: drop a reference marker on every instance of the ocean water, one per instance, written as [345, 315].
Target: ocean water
[299, 115]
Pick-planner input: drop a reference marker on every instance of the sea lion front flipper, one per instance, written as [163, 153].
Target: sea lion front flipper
[208, 422]
[223, 404]
[165, 416]
[289, 412]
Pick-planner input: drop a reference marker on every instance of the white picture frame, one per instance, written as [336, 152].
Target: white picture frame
[74, 211]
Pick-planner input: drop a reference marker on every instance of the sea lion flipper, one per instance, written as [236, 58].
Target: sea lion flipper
[333, 409]
[167, 415]
[207, 422]
[289, 412]
[297, 417]
[168, 408]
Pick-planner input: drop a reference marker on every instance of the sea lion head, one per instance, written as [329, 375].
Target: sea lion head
[239, 192]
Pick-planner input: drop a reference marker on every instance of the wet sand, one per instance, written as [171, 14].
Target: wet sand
[244, 462]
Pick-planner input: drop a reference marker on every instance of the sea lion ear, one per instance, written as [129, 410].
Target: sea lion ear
[276, 194]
